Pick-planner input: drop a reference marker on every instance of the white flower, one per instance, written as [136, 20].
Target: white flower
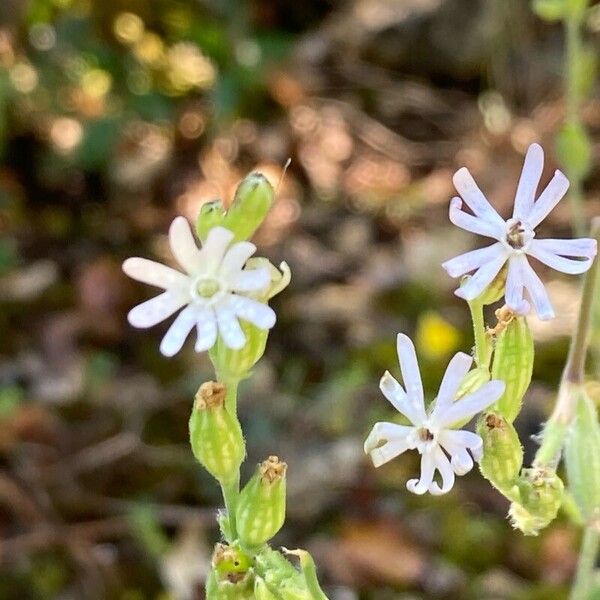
[442, 448]
[516, 238]
[215, 290]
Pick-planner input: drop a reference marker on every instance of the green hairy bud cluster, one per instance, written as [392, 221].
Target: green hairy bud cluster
[540, 496]
[261, 505]
[215, 434]
[502, 452]
[513, 364]
[582, 458]
[278, 578]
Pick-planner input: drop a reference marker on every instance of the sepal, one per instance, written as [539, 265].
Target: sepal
[215, 434]
[260, 510]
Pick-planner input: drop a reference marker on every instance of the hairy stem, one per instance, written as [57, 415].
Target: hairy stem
[586, 565]
[231, 492]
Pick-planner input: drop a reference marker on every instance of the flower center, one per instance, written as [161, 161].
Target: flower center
[425, 435]
[518, 235]
[207, 289]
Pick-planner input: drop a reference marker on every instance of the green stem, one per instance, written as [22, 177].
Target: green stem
[548, 453]
[482, 346]
[231, 492]
[585, 567]
[231, 386]
[573, 105]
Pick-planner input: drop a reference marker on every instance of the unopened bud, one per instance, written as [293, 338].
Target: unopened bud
[582, 459]
[253, 200]
[215, 434]
[541, 494]
[502, 451]
[211, 215]
[513, 364]
[261, 506]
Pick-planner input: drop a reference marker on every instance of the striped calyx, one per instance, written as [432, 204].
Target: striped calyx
[215, 434]
[502, 451]
[261, 506]
[513, 363]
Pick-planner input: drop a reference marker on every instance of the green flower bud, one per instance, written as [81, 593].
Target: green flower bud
[540, 496]
[261, 506]
[582, 458]
[231, 577]
[215, 434]
[502, 452]
[211, 215]
[513, 364]
[253, 200]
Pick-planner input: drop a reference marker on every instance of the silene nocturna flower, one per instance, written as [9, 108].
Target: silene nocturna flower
[215, 290]
[432, 431]
[515, 239]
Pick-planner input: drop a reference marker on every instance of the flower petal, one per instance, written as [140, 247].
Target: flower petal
[229, 327]
[452, 440]
[392, 390]
[473, 196]
[257, 313]
[156, 309]
[555, 258]
[515, 287]
[176, 335]
[474, 224]
[442, 464]
[529, 181]
[235, 258]
[470, 405]
[154, 273]
[206, 328]
[183, 245]
[386, 441]
[456, 371]
[214, 248]
[250, 280]
[465, 263]
[478, 282]
[421, 486]
[548, 199]
[537, 291]
[409, 367]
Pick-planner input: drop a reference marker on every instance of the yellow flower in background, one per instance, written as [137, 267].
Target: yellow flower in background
[436, 337]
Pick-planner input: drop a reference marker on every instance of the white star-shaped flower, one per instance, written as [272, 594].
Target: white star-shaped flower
[442, 447]
[516, 238]
[215, 290]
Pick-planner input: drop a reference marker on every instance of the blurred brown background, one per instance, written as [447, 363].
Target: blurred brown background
[115, 116]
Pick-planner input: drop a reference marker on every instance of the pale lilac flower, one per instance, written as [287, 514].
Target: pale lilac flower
[516, 238]
[215, 290]
[442, 447]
